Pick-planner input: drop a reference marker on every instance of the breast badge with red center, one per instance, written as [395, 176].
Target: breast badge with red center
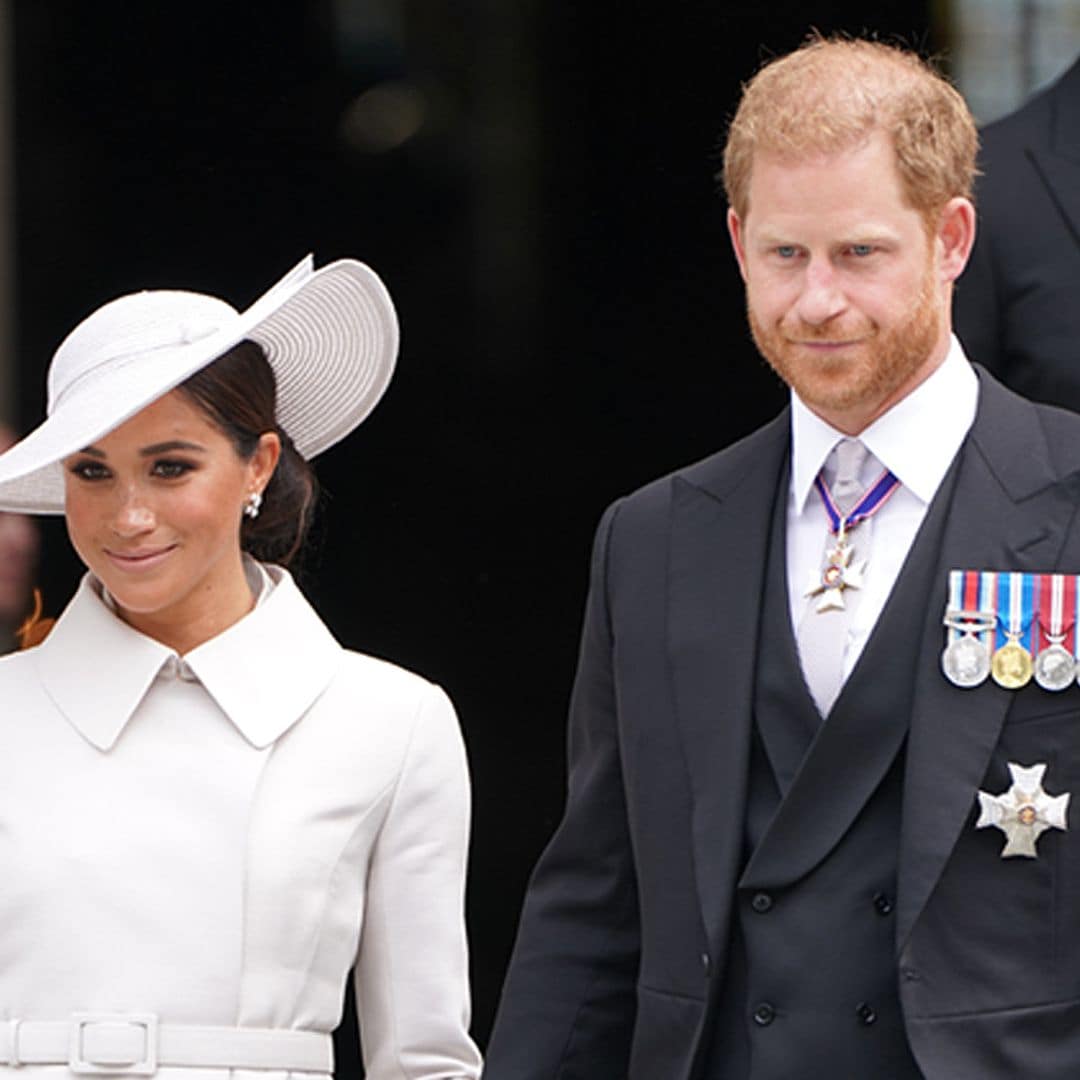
[1024, 812]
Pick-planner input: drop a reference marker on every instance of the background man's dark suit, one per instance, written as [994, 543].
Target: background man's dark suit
[1017, 305]
[624, 944]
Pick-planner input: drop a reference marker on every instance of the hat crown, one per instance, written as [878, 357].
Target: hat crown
[329, 335]
[138, 326]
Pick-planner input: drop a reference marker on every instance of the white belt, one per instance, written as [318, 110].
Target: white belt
[136, 1044]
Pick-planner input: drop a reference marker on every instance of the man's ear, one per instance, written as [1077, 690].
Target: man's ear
[955, 235]
[735, 231]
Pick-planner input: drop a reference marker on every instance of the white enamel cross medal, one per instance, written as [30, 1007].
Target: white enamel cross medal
[1024, 812]
[839, 574]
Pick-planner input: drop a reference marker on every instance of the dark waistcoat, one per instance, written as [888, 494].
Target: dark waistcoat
[811, 985]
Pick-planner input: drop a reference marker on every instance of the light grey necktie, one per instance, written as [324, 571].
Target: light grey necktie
[822, 634]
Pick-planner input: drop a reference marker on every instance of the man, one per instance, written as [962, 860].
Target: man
[769, 865]
[1016, 305]
[18, 555]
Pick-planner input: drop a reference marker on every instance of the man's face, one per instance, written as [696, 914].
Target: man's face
[847, 290]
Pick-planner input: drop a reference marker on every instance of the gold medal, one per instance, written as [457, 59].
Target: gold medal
[1011, 666]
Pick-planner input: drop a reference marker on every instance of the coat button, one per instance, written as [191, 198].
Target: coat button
[762, 902]
[865, 1013]
[882, 904]
[764, 1014]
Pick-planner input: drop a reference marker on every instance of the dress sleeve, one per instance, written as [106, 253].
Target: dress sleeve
[412, 987]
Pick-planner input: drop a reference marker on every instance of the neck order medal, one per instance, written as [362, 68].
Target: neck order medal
[839, 573]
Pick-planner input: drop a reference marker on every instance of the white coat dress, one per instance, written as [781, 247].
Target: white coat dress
[216, 840]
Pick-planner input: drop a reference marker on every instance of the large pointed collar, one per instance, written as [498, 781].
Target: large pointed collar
[264, 671]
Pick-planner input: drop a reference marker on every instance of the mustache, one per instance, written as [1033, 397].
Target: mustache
[801, 332]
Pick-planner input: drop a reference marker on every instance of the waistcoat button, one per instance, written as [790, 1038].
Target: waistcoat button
[764, 1014]
[762, 902]
[882, 904]
[865, 1013]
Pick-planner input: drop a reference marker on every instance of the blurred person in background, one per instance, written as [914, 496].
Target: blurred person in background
[18, 556]
[1016, 304]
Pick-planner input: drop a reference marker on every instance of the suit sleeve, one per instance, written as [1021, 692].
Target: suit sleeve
[568, 1005]
[412, 989]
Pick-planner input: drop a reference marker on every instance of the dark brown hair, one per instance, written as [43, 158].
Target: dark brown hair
[238, 393]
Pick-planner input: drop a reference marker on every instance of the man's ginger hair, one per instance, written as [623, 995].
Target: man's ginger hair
[832, 95]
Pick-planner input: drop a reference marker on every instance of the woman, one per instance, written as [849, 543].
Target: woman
[211, 810]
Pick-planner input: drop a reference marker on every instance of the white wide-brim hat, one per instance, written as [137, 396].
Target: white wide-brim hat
[330, 335]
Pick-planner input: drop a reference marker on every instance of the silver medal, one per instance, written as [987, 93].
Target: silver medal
[966, 661]
[1055, 667]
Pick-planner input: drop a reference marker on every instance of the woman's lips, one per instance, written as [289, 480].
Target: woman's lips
[138, 561]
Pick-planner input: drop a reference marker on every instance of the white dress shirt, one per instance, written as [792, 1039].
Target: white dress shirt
[917, 440]
[217, 838]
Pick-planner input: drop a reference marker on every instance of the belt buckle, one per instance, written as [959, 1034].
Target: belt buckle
[144, 1066]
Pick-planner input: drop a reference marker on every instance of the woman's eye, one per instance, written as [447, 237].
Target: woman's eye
[89, 470]
[171, 470]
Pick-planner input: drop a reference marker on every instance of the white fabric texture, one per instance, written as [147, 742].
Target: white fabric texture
[216, 838]
[917, 439]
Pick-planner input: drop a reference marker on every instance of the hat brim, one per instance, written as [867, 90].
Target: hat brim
[330, 335]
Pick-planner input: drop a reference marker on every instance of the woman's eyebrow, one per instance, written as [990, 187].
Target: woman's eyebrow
[174, 444]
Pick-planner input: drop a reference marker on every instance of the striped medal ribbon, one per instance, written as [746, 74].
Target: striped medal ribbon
[839, 573]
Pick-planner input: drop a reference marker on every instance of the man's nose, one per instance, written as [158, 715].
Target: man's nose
[822, 297]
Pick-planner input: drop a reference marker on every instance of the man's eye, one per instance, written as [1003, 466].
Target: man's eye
[171, 470]
[786, 251]
[89, 470]
[862, 250]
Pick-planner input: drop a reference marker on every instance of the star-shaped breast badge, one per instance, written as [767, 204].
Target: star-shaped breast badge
[1024, 812]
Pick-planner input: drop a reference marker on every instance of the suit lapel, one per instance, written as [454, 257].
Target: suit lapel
[1009, 511]
[719, 543]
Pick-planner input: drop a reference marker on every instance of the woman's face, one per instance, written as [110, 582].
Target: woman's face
[154, 511]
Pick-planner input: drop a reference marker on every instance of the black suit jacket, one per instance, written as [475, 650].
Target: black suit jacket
[625, 927]
[1017, 305]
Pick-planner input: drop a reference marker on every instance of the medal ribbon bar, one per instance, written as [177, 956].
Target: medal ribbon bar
[1013, 626]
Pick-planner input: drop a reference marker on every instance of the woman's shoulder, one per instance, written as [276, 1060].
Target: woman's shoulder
[375, 677]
